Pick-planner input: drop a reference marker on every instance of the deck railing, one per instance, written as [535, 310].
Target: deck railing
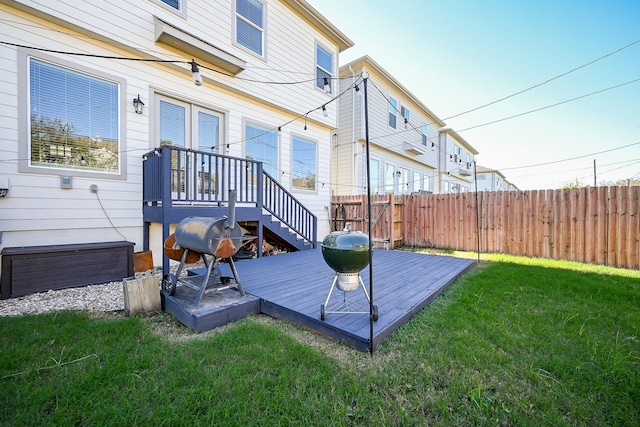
[180, 176]
[281, 204]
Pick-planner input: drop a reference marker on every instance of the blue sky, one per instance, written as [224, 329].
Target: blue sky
[458, 55]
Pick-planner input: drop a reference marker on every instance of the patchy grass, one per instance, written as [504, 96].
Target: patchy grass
[515, 342]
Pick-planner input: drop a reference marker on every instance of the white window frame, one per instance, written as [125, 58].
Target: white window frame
[24, 135]
[191, 122]
[417, 182]
[389, 172]
[426, 182]
[266, 129]
[425, 130]
[293, 165]
[406, 114]
[321, 68]
[403, 181]
[393, 112]
[262, 29]
[181, 10]
[375, 177]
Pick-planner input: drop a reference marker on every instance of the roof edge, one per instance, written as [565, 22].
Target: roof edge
[319, 21]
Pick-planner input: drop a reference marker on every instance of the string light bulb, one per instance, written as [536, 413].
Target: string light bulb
[197, 77]
[324, 110]
[327, 88]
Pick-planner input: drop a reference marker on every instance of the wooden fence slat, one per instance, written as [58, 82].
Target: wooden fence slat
[612, 229]
[623, 227]
[595, 225]
[634, 228]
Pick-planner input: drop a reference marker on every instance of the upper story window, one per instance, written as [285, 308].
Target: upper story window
[457, 154]
[303, 169]
[424, 134]
[406, 114]
[393, 112]
[324, 69]
[177, 6]
[172, 3]
[250, 25]
[74, 119]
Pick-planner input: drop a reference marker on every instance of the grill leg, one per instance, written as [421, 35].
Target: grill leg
[235, 275]
[333, 285]
[204, 283]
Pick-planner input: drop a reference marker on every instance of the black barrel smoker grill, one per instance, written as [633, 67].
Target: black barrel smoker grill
[347, 253]
[197, 237]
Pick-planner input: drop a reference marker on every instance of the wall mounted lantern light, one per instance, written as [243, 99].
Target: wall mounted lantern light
[138, 105]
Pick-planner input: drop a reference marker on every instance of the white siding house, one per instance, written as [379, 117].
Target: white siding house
[403, 135]
[456, 163]
[493, 180]
[72, 144]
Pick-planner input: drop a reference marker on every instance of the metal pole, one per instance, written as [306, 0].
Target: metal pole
[595, 184]
[475, 178]
[366, 127]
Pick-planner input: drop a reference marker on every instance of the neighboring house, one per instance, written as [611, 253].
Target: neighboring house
[72, 145]
[492, 180]
[403, 135]
[456, 162]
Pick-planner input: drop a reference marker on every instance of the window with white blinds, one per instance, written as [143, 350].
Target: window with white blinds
[172, 3]
[250, 25]
[74, 119]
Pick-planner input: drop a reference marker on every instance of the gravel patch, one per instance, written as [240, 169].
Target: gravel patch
[104, 297]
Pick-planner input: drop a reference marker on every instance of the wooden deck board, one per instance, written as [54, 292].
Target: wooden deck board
[293, 286]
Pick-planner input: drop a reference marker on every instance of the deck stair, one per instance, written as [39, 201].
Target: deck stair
[179, 182]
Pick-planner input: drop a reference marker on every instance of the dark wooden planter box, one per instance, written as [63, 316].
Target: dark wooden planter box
[31, 269]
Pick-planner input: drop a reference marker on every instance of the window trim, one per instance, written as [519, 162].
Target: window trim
[24, 124]
[392, 100]
[330, 72]
[182, 12]
[316, 145]
[267, 127]
[425, 132]
[236, 15]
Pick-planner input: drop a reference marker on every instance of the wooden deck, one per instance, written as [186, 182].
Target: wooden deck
[294, 286]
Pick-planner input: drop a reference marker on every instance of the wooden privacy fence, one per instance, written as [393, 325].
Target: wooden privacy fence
[599, 225]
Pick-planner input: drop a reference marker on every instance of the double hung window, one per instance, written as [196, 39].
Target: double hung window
[262, 146]
[303, 169]
[250, 25]
[424, 134]
[324, 68]
[393, 112]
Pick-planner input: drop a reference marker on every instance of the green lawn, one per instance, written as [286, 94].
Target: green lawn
[515, 341]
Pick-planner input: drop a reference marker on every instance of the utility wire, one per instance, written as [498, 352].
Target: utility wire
[549, 106]
[569, 159]
[544, 82]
